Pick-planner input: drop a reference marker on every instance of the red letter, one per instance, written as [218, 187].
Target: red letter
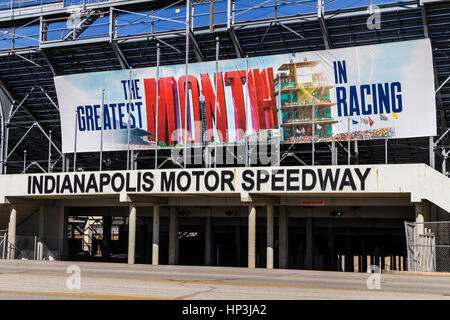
[193, 85]
[234, 79]
[210, 99]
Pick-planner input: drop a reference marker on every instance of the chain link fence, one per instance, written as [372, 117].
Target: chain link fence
[428, 246]
[26, 248]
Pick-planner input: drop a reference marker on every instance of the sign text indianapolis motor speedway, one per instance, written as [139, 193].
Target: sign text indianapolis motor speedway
[287, 179]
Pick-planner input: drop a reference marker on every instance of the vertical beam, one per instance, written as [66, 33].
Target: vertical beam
[41, 233]
[208, 241]
[309, 244]
[283, 237]
[131, 233]
[12, 232]
[106, 245]
[155, 246]
[431, 150]
[419, 213]
[323, 26]
[269, 254]
[251, 235]
[173, 236]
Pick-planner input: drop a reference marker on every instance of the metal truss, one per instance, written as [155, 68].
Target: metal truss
[60, 47]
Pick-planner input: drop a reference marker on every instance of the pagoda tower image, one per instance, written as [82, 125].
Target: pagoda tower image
[303, 91]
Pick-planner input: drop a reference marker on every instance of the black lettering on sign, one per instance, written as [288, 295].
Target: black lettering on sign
[362, 177]
[147, 178]
[128, 187]
[216, 181]
[290, 179]
[38, 184]
[187, 183]
[312, 174]
[138, 183]
[79, 183]
[167, 183]
[276, 178]
[328, 177]
[347, 180]
[248, 183]
[227, 179]
[29, 185]
[67, 184]
[49, 184]
[117, 177]
[57, 184]
[105, 179]
[262, 176]
[92, 183]
[197, 175]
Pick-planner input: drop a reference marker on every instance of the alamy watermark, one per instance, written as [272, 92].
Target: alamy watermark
[373, 282]
[73, 282]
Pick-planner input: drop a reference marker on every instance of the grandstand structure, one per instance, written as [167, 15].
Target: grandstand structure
[43, 39]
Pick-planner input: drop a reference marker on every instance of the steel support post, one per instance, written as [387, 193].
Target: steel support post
[270, 242]
[12, 232]
[251, 235]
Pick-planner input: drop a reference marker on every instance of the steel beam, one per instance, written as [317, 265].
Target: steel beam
[51, 62]
[120, 55]
[197, 50]
[323, 26]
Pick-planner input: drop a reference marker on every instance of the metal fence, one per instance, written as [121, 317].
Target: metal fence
[26, 248]
[428, 246]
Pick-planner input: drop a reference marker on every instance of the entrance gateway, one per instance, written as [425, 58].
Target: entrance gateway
[282, 217]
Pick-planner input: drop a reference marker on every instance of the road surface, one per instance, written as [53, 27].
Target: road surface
[50, 280]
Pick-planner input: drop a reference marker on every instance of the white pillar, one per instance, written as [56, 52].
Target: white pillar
[155, 247]
[269, 254]
[173, 236]
[419, 211]
[283, 236]
[208, 242]
[251, 235]
[131, 234]
[12, 232]
[40, 248]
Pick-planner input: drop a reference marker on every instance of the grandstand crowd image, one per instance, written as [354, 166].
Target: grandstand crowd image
[225, 153]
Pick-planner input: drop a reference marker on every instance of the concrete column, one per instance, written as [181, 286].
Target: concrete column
[40, 244]
[131, 234]
[269, 254]
[155, 246]
[12, 232]
[173, 236]
[309, 244]
[106, 242]
[208, 241]
[251, 235]
[283, 238]
[419, 212]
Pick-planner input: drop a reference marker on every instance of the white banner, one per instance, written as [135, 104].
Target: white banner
[370, 92]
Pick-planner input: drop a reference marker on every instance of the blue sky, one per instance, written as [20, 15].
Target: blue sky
[29, 35]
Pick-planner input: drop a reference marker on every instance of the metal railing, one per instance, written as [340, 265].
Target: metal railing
[16, 4]
[26, 248]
